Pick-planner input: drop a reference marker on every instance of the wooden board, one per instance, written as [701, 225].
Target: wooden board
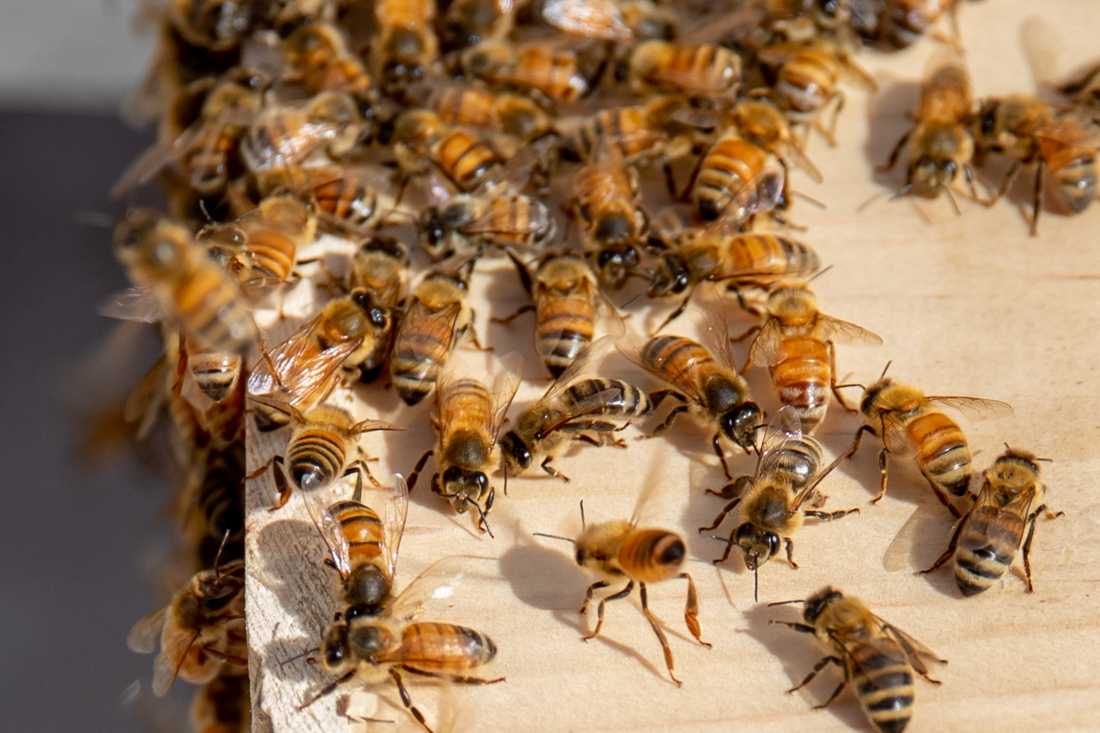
[966, 304]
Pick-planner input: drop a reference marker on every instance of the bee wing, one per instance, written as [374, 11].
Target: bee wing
[397, 513]
[837, 330]
[785, 426]
[134, 304]
[591, 405]
[587, 362]
[167, 668]
[144, 401]
[370, 426]
[145, 632]
[808, 490]
[148, 164]
[715, 328]
[588, 18]
[631, 346]
[649, 490]
[297, 372]
[329, 529]
[765, 347]
[978, 407]
[504, 389]
[437, 582]
[915, 650]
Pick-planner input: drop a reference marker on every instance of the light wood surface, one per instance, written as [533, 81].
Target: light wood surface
[966, 304]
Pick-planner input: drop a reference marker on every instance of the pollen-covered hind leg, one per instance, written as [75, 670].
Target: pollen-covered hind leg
[691, 611]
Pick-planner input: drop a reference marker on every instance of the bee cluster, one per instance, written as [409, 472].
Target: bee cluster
[598, 147]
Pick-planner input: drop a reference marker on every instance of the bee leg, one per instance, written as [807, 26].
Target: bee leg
[883, 476]
[359, 468]
[658, 396]
[691, 612]
[729, 546]
[722, 516]
[284, 487]
[329, 688]
[669, 419]
[675, 313]
[1027, 546]
[893, 160]
[670, 180]
[748, 332]
[824, 662]
[227, 658]
[473, 335]
[406, 700]
[545, 466]
[789, 543]
[838, 107]
[603, 602]
[951, 545]
[655, 624]
[832, 380]
[416, 470]
[261, 469]
[1037, 197]
[589, 593]
[942, 497]
[508, 319]
[836, 693]
[830, 516]
[1006, 183]
[716, 443]
[458, 678]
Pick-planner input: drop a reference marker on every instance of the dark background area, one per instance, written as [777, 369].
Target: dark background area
[82, 543]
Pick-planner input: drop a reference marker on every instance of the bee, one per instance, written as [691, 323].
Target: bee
[695, 256]
[175, 279]
[902, 22]
[607, 204]
[436, 318]
[576, 407]
[910, 422]
[201, 630]
[211, 503]
[770, 502]
[648, 20]
[986, 539]
[634, 132]
[796, 343]
[222, 705]
[600, 19]
[319, 60]
[218, 25]
[700, 71]
[469, 22]
[405, 48]
[468, 419]
[380, 269]
[475, 106]
[877, 657]
[763, 124]
[807, 80]
[940, 143]
[621, 552]
[556, 75]
[421, 139]
[322, 448]
[214, 386]
[735, 180]
[367, 649]
[705, 383]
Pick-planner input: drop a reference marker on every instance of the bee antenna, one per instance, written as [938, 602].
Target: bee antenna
[484, 520]
[787, 603]
[809, 198]
[218, 557]
[756, 583]
[555, 537]
[205, 211]
[505, 477]
[296, 657]
[819, 273]
[330, 687]
[583, 523]
[885, 369]
[630, 302]
[954, 202]
[870, 201]
[903, 191]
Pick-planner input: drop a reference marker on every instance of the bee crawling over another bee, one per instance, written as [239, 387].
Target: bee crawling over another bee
[986, 539]
[878, 658]
[619, 551]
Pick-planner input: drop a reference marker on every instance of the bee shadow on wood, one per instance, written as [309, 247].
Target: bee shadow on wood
[889, 116]
[799, 652]
[905, 481]
[918, 544]
[287, 659]
[542, 576]
[295, 546]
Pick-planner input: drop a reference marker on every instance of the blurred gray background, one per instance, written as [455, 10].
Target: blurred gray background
[81, 541]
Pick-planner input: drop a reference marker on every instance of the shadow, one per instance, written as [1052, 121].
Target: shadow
[889, 116]
[905, 480]
[288, 660]
[571, 619]
[286, 543]
[799, 653]
[918, 544]
[542, 577]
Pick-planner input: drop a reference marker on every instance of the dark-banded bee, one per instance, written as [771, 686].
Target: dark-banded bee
[735, 180]
[770, 502]
[622, 554]
[902, 22]
[987, 538]
[322, 448]
[633, 132]
[557, 75]
[577, 407]
[702, 71]
[469, 22]
[211, 503]
[471, 105]
[405, 48]
[347, 199]
[214, 385]
[909, 422]
[878, 658]
[421, 140]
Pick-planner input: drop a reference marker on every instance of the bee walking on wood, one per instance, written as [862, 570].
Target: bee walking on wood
[878, 659]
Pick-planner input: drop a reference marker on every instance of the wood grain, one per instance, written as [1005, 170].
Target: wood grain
[966, 304]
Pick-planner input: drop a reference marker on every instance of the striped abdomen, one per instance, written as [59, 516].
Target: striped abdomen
[1074, 183]
[552, 72]
[625, 130]
[420, 350]
[437, 647]
[767, 254]
[464, 159]
[943, 454]
[987, 546]
[316, 456]
[222, 705]
[678, 360]
[513, 220]
[727, 176]
[465, 414]
[652, 555]
[210, 310]
[797, 462]
[698, 69]
[883, 682]
[564, 326]
[617, 399]
[363, 530]
[605, 200]
[907, 20]
[802, 376]
[807, 81]
[343, 198]
[464, 105]
[207, 158]
[273, 251]
[220, 497]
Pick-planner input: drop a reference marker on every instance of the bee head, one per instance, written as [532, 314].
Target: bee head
[816, 604]
[757, 545]
[462, 486]
[615, 264]
[378, 316]
[930, 174]
[740, 425]
[386, 245]
[516, 452]
[670, 277]
[336, 655]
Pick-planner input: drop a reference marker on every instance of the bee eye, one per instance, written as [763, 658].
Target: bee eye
[377, 317]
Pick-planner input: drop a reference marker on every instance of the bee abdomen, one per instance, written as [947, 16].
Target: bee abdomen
[273, 253]
[806, 82]
[417, 359]
[674, 358]
[565, 328]
[315, 457]
[802, 378]
[883, 681]
[986, 548]
[625, 399]
[465, 159]
[652, 555]
[344, 200]
[1077, 183]
[362, 529]
[943, 453]
[212, 312]
[445, 647]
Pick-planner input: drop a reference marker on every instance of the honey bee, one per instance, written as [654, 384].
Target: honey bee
[469, 22]
[762, 123]
[909, 421]
[211, 504]
[421, 139]
[940, 143]
[633, 132]
[648, 20]
[218, 25]
[807, 79]
[607, 204]
[770, 502]
[214, 386]
[556, 75]
[705, 383]
[369, 649]
[436, 318]
[201, 630]
[600, 19]
[902, 22]
[262, 246]
[319, 60]
[576, 407]
[796, 343]
[986, 539]
[175, 279]
[877, 657]
[619, 552]
[735, 180]
[322, 448]
[475, 106]
[380, 269]
[700, 71]
[468, 419]
[222, 705]
[406, 48]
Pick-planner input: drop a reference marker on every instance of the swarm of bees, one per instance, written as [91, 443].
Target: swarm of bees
[550, 137]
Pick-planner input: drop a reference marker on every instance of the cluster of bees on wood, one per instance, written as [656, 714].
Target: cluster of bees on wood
[530, 132]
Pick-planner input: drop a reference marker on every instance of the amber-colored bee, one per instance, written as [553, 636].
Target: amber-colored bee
[909, 421]
[770, 502]
[600, 19]
[200, 631]
[211, 503]
[807, 80]
[762, 123]
[218, 25]
[705, 383]
[902, 22]
[633, 132]
[262, 246]
[796, 343]
[214, 385]
[222, 705]
[986, 539]
[365, 649]
[735, 180]
[405, 47]
[878, 658]
[558, 75]
[323, 448]
[175, 278]
[469, 22]
[465, 104]
[421, 139]
[319, 60]
[607, 204]
[576, 407]
[436, 318]
[618, 552]
[380, 269]
[939, 145]
[703, 71]
[468, 420]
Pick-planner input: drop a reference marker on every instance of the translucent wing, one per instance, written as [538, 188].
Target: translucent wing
[808, 490]
[397, 513]
[716, 330]
[591, 405]
[144, 400]
[329, 529]
[436, 583]
[973, 406]
[915, 650]
[369, 426]
[785, 427]
[302, 370]
[837, 330]
[649, 490]
[588, 18]
[587, 362]
[145, 632]
[148, 164]
[134, 304]
[504, 389]
[765, 347]
[633, 345]
[166, 668]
